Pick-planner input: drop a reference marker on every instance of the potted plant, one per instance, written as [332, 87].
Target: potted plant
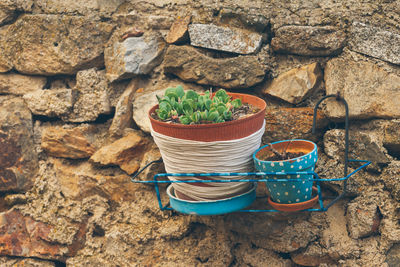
[284, 157]
[206, 133]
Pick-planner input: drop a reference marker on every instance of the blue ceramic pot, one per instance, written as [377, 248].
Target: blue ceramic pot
[288, 192]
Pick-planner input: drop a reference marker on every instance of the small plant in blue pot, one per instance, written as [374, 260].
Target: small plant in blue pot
[284, 157]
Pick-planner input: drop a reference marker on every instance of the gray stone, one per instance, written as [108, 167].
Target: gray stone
[393, 256]
[375, 42]
[16, 84]
[192, 66]
[92, 97]
[50, 103]
[296, 85]
[133, 56]
[308, 40]
[18, 158]
[362, 217]
[370, 91]
[227, 39]
[55, 44]
[364, 145]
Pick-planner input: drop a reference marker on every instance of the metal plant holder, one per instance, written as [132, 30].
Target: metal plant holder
[224, 206]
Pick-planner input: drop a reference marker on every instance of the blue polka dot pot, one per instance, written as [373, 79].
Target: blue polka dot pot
[288, 192]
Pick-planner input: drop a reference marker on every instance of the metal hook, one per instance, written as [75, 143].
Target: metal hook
[346, 138]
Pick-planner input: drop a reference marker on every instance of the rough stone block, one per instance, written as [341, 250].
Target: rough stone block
[375, 42]
[55, 44]
[370, 91]
[295, 85]
[192, 66]
[66, 143]
[363, 218]
[50, 103]
[18, 158]
[133, 56]
[16, 84]
[178, 33]
[308, 40]
[226, 39]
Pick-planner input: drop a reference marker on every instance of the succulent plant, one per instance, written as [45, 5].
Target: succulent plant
[192, 108]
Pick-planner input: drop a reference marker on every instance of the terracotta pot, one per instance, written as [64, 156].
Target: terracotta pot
[229, 130]
[216, 131]
[296, 206]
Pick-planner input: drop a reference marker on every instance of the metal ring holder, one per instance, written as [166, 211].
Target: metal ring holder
[315, 176]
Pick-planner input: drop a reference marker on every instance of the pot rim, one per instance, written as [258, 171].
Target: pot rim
[296, 206]
[286, 160]
[228, 130]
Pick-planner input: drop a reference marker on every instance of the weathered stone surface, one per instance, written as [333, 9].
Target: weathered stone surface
[126, 152]
[18, 158]
[393, 256]
[226, 39]
[258, 257]
[363, 218]
[313, 255]
[66, 143]
[291, 123]
[50, 103]
[23, 236]
[92, 97]
[295, 85]
[102, 8]
[52, 44]
[178, 33]
[308, 40]
[17, 84]
[391, 137]
[81, 180]
[123, 111]
[15, 262]
[5, 57]
[391, 178]
[133, 56]
[335, 237]
[375, 42]
[370, 91]
[366, 145]
[9, 9]
[190, 65]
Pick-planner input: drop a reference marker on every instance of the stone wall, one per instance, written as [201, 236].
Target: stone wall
[77, 78]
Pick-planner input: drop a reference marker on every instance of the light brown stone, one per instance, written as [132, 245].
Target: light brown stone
[313, 255]
[178, 33]
[370, 91]
[5, 57]
[192, 66]
[123, 111]
[17, 262]
[55, 44]
[363, 218]
[126, 152]
[295, 85]
[81, 180]
[51, 103]
[92, 97]
[16, 84]
[66, 143]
